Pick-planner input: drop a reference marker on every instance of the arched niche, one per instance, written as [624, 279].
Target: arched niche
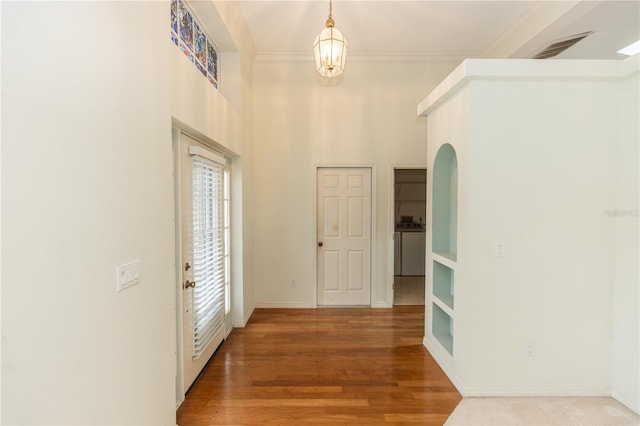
[445, 203]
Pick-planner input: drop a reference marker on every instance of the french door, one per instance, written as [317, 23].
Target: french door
[204, 266]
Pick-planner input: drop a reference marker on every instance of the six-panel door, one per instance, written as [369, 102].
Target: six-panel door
[344, 236]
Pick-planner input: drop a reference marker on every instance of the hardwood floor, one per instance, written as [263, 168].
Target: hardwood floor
[323, 366]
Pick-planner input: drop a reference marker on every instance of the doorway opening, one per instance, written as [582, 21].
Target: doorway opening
[410, 209]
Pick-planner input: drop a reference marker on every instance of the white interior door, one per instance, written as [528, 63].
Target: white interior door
[344, 236]
[203, 256]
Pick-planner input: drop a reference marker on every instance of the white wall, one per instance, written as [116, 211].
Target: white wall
[87, 185]
[90, 91]
[246, 220]
[368, 119]
[540, 175]
[223, 120]
[626, 284]
[545, 149]
[0, 230]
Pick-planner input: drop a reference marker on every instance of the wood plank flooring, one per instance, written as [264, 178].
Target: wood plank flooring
[323, 366]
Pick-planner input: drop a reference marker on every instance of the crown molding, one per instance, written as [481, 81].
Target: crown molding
[383, 57]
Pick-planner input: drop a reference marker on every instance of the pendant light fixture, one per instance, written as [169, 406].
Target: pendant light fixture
[330, 49]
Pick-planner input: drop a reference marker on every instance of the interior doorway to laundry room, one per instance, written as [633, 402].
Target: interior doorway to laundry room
[410, 212]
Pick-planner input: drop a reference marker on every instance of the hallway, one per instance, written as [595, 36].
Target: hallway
[330, 366]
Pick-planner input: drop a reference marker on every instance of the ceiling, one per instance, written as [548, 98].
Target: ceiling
[444, 30]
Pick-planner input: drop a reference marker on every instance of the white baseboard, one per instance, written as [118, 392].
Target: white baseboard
[284, 305]
[439, 354]
[304, 305]
[535, 392]
[626, 401]
[243, 322]
[444, 361]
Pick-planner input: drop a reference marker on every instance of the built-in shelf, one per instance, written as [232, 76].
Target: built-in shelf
[445, 201]
[443, 283]
[444, 245]
[442, 327]
[448, 259]
[444, 306]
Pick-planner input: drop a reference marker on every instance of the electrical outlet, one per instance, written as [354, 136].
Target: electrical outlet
[127, 275]
[499, 249]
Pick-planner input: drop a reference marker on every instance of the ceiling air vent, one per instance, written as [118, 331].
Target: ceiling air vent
[561, 45]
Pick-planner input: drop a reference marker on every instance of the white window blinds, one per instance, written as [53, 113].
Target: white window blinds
[208, 251]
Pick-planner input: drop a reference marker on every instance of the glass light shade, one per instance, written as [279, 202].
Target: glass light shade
[330, 52]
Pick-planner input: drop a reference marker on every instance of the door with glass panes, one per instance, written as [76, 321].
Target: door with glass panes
[205, 261]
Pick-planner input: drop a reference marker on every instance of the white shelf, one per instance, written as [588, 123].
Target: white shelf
[442, 326]
[446, 340]
[443, 284]
[445, 258]
[445, 303]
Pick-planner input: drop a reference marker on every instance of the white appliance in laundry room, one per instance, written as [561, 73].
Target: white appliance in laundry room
[397, 253]
[413, 253]
[410, 211]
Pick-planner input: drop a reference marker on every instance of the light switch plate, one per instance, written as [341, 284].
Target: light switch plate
[127, 274]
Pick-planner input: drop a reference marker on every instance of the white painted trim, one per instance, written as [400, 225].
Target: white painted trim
[351, 57]
[391, 249]
[314, 236]
[207, 153]
[242, 323]
[284, 305]
[438, 354]
[228, 331]
[548, 391]
[177, 173]
[626, 401]
[516, 40]
[483, 69]
[374, 220]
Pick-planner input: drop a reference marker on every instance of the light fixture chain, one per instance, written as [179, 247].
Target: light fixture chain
[330, 9]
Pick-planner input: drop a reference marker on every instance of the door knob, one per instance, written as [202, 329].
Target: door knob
[188, 284]
[320, 244]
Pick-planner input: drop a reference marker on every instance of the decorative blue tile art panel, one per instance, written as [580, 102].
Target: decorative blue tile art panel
[189, 35]
[186, 26]
[212, 61]
[174, 17]
[199, 44]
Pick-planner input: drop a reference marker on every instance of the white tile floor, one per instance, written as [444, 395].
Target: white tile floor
[541, 411]
[408, 290]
